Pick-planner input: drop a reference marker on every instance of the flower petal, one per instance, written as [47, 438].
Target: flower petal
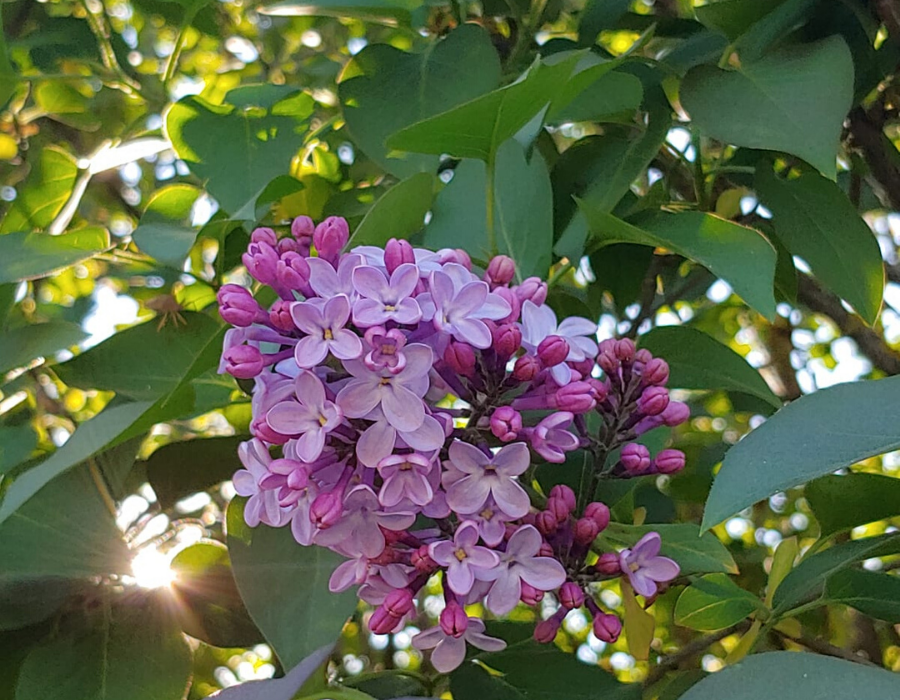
[371, 283]
[403, 409]
[310, 390]
[369, 312]
[544, 573]
[460, 577]
[468, 458]
[346, 345]
[449, 654]
[505, 593]
[469, 494]
[310, 351]
[358, 397]
[307, 317]
[525, 542]
[376, 443]
[473, 332]
[512, 460]
[511, 498]
[661, 569]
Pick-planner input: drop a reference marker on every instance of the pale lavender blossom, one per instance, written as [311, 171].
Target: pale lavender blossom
[262, 505]
[358, 532]
[450, 651]
[550, 439]
[324, 325]
[328, 282]
[464, 558]
[387, 349]
[491, 521]
[405, 476]
[380, 438]
[311, 417]
[521, 562]
[645, 568]
[382, 300]
[489, 475]
[296, 492]
[538, 322]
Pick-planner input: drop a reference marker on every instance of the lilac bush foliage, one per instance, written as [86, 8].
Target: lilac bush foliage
[410, 400]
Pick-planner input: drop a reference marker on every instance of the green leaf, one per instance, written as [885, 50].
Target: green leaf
[25, 601]
[459, 212]
[694, 553]
[16, 445]
[533, 671]
[8, 79]
[765, 104]
[597, 16]
[398, 213]
[771, 28]
[143, 362]
[799, 676]
[732, 17]
[179, 469]
[595, 91]
[697, 361]
[65, 530]
[165, 232]
[209, 605]
[41, 197]
[877, 595]
[260, 144]
[714, 602]
[27, 256]
[27, 343]
[843, 502]
[477, 128]
[815, 220]
[287, 687]
[738, 254]
[392, 89]
[136, 653]
[808, 577]
[389, 686]
[810, 437]
[285, 587]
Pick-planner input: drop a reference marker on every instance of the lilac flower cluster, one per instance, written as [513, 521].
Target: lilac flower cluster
[408, 401]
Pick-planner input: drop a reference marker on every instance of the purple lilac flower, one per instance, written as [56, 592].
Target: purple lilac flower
[550, 440]
[358, 532]
[325, 328]
[386, 349]
[380, 438]
[450, 651]
[311, 417]
[262, 505]
[464, 558]
[645, 568]
[539, 322]
[405, 476]
[489, 475]
[328, 282]
[384, 300]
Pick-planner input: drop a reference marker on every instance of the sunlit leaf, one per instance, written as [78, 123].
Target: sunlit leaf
[165, 232]
[43, 194]
[399, 213]
[872, 593]
[714, 602]
[843, 502]
[26, 256]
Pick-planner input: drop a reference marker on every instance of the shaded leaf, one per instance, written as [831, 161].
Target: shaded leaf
[812, 436]
[875, 594]
[16, 445]
[714, 602]
[694, 553]
[24, 344]
[27, 256]
[398, 213]
[26, 600]
[165, 232]
[843, 502]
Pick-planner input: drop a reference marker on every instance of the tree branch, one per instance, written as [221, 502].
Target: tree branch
[815, 297]
[880, 154]
[821, 647]
[691, 649]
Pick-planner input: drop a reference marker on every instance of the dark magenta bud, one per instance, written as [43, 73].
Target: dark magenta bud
[422, 560]
[500, 271]
[546, 630]
[326, 509]
[546, 550]
[552, 350]
[399, 602]
[558, 507]
[676, 413]
[506, 423]
[526, 368]
[507, 338]
[243, 361]
[546, 522]
[515, 304]
[586, 531]
[575, 397]
[643, 356]
[454, 620]
[607, 628]
[566, 494]
[599, 513]
[530, 594]
[303, 229]
[625, 349]
[656, 372]
[532, 289]
[601, 389]
[608, 564]
[237, 306]
[608, 362]
[669, 461]
[264, 235]
[382, 622]
[635, 458]
[583, 367]
[653, 400]
[571, 596]
[292, 271]
[460, 357]
[280, 315]
[330, 237]
[396, 253]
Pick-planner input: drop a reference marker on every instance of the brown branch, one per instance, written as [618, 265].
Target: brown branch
[821, 647]
[777, 338]
[690, 649]
[867, 135]
[815, 297]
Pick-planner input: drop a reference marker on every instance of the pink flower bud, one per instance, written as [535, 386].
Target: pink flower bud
[625, 349]
[565, 493]
[243, 361]
[399, 602]
[259, 428]
[601, 389]
[599, 513]
[264, 235]
[506, 338]
[546, 523]
[532, 289]
[460, 357]
[643, 356]
[422, 560]
[635, 458]
[552, 350]
[676, 413]
[292, 271]
[291, 245]
[397, 252]
[575, 397]
[455, 255]
[607, 628]
[280, 315]
[571, 596]
[454, 620]
[586, 531]
[330, 237]
[583, 367]
[546, 630]
[506, 422]
[546, 550]
[558, 507]
[237, 306]
[303, 229]
[326, 509]
[526, 368]
[515, 305]
[656, 372]
[382, 622]
[608, 362]
[653, 400]
[500, 271]
[608, 564]
[669, 461]
[530, 594]
[261, 261]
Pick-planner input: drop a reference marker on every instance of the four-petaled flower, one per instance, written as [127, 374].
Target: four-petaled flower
[464, 558]
[263, 505]
[405, 476]
[311, 417]
[324, 326]
[449, 650]
[550, 439]
[645, 568]
[387, 349]
[384, 301]
[538, 322]
[358, 532]
[489, 475]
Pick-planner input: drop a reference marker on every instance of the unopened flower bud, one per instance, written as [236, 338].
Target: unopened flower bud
[501, 269]
[237, 306]
[396, 253]
[546, 550]
[552, 350]
[599, 513]
[558, 507]
[506, 422]
[422, 560]
[586, 531]
[546, 522]
[656, 372]
[455, 255]
[399, 602]
[533, 290]
[526, 368]
[382, 622]
[243, 361]
[635, 458]
[653, 400]
[303, 229]
[330, 237]
[608, 564]
[575, 397]
[454, 620]
[607, 628]
[259, 428]
[676, 413]
[608, 362]
[506, 339]
[669, 461]
[530, 594]
[291, 245]
[292, 271]
[460, 357]
[625, 349]
[643, 356]
[261, 261]
[601, 389]
[566, 494]
[264, 235]
[280, 315]
[583, 367]
[546, 630]
[571, 596]
[326, 509]
[515, 304]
